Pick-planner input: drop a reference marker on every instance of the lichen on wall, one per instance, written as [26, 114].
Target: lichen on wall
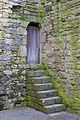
[61, 49]
[15, 15]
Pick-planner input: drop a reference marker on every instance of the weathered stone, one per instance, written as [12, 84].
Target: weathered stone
[7, 72]
[59, 43]
[24, 41]
[61, 47]
[23, 51]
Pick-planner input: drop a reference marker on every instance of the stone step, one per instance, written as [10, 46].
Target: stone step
[56, 114]
[40, 92]
[50, 100]
[54, 108]
[36, 73]
[42, 102]
[39, 87]
[43, 86]
[36, 106]
[47, 93]
[35, 67]
[36, 80]
[48, 110]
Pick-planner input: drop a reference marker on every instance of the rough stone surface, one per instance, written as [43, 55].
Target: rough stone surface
[41, 92]
[30, 114]
[62, 45]
[15, 15]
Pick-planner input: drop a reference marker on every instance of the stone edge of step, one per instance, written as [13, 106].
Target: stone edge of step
[55, 105]
[46, 91]
[44, 84]
[50, 98]
[57, 113]
[40, 77]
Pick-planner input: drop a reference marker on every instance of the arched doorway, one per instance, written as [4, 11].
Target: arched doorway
[33, 43]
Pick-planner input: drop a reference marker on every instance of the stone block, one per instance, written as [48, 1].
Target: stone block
[24, 40]
[24, 24]
[2, 34]
[21, 31]
[8, 41]
[7, 72]
[23, 51]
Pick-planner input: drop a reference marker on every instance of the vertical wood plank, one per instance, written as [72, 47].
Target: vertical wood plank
[33, 46]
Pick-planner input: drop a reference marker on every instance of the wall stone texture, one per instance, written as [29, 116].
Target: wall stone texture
[61, 49]
[60, 45]
[15, 15]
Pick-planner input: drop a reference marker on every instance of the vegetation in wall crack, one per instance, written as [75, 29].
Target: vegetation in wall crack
[41, 14]
[28, 12]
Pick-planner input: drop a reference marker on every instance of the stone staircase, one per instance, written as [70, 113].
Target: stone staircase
[41, 94]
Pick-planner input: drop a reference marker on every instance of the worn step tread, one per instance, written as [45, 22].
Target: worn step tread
[43, 84]
[37, 71]
[55, 105]
[46, 91]
[40, 77]
[34, 66]
[44, 94]
[50, 98]
[57, 113]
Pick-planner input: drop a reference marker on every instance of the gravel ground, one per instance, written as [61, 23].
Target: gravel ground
[31, 114]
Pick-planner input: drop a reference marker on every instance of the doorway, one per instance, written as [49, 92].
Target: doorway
[33, 43]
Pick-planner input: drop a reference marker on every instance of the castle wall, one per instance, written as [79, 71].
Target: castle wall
[61, 48]
[15, 15]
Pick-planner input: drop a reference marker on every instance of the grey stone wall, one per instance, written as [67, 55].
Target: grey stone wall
[62, 45]
[15, 15]
[60, 48]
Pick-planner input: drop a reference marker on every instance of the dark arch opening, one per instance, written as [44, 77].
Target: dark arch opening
[35, 24]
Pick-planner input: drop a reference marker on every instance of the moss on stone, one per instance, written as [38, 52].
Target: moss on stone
[2, 34]
[28, 12]
[71, 101]
[41, 14]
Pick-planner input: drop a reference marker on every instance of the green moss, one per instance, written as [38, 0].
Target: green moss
[2, 34]
[71, 101]
[28, 12]
[41, 14]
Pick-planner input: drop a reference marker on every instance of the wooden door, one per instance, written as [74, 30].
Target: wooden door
[33, 45]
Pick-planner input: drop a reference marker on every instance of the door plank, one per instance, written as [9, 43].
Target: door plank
[33, 47]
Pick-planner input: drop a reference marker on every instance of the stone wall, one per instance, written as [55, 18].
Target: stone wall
[15, 15]
[61, 48]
